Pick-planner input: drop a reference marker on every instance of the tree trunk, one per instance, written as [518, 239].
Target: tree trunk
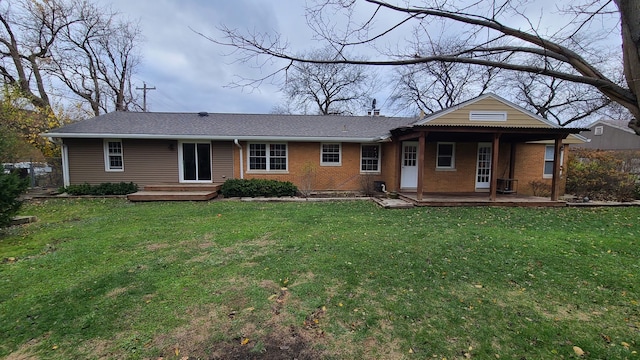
[630, 23]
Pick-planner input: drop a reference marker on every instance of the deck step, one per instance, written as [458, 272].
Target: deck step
[172, 196]
[183, 187]
[176, 192]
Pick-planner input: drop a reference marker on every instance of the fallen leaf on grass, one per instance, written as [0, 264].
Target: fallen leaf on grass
[578, 351]
[244, 341]
[54, 347]
[176, 351]
[626, 345]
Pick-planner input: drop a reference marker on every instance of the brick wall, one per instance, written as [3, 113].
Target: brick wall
[306, 172]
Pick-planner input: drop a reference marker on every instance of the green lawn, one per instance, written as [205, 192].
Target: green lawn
[345, 280]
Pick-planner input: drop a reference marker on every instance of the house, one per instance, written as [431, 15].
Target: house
[486, 144]
[605, 135]
[623, 142]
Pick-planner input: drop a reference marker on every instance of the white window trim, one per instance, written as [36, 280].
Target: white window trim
[339, 163]
[453, 156]
[268, 154]
[107, 163]
[181, 161]
[598, 130]
[550, 176]
[379, 158]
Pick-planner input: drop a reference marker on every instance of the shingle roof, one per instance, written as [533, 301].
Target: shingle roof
[231, 126]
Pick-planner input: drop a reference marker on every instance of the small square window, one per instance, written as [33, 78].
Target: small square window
[598, 130]
[330, 154]
[446, 156]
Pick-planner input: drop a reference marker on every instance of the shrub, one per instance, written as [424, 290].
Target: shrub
[540, 188]
[11, 187]
[257, 187]
[102, 189]
[598, 175]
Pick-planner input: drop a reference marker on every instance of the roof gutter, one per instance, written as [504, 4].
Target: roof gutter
[204, 137]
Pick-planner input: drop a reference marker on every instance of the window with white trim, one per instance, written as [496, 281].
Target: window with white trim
[330, 154]
[113, 155]
[267, 156]
[446, 154]
[369, 158]
[549, 152]
[598, 130]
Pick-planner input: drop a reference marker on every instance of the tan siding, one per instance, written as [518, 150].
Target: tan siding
[515, 117]
[222, 166]
[145, 162]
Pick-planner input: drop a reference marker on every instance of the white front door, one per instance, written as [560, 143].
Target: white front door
[483, 172]
[409, 172]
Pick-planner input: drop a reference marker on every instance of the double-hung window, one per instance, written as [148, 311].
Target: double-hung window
[370, 158]
[446, 155]
[267, 157]
[113, 155]
[330, 154]
[548, 161]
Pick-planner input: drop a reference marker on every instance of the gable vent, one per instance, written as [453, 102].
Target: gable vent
[488, 115]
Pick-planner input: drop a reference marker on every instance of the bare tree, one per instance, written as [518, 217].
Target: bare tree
[29, 30]
[573, 52]
[437, 85]
[82, 45]
[330, 89]
[558, 100]
[96, 57]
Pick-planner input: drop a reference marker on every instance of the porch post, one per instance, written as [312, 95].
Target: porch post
[555, 181]
[512, 161]
[421, 154]
[396, 181]
[494, 166]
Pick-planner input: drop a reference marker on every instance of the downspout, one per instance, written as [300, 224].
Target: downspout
[65, 165]
[235, 141]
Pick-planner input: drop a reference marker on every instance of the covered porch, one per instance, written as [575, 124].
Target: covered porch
[497, 136]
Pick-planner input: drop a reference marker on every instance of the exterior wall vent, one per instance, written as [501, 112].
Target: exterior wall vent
[488, 115]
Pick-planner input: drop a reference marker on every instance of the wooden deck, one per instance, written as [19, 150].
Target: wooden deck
[479, 199]
[176, 192]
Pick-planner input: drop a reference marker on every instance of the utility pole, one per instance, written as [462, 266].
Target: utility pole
[144, 89]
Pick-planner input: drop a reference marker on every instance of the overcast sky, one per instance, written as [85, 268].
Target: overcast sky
[191, 74]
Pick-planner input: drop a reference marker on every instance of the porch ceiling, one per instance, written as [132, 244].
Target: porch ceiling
[483, 133]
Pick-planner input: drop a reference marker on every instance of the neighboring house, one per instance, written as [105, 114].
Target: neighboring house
[609, 136]
[477, 146]
[619, 139]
